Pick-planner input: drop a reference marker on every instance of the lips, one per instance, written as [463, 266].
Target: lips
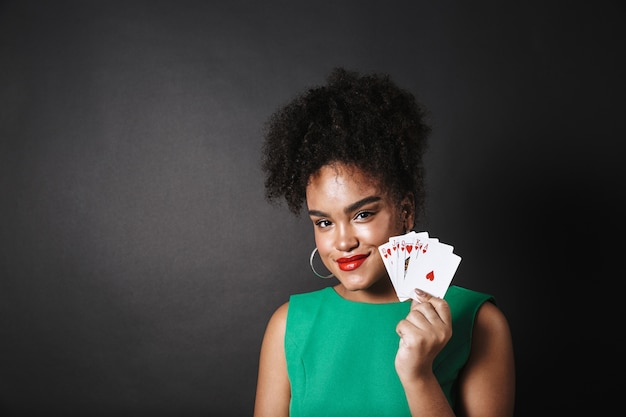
[350, 263]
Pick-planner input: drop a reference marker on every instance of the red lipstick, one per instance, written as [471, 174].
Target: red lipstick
[350, 263]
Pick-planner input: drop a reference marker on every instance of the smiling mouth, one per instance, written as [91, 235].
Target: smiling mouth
[351, 263]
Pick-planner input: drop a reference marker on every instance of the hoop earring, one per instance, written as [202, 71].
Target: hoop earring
[313, 268]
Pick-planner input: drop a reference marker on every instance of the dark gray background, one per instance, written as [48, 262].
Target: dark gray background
[139, 261]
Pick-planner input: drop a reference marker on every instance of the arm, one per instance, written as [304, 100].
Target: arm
[487, 382]
[273, 391]
[423, 333]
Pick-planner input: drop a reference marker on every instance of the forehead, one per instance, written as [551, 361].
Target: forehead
[339, 179]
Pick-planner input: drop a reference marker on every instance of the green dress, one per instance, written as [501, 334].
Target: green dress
[340, 353]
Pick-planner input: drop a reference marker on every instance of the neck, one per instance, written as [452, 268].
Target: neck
[380, 292]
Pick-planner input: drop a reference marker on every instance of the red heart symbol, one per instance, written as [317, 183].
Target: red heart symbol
[431, 275]
[409, 248]
[389, 252]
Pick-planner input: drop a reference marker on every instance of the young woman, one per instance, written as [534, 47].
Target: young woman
[351, 150]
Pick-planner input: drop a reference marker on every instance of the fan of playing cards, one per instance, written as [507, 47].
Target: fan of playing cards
[415, 260]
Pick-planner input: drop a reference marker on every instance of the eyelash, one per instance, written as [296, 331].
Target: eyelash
[365, 213]
[322, 223]
[361, 215]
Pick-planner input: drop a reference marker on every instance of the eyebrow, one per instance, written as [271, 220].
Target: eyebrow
[352, 207]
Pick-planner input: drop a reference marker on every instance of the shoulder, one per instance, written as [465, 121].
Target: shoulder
[275, 333]
[278, 319]
[305, 305]
[479, 307]
[465, 295]
[491, 319]
[492, 338]
[299, 303]
[464, 305]
[312, 296]
[280, 314]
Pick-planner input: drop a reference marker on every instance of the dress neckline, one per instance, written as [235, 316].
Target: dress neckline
[338, 296]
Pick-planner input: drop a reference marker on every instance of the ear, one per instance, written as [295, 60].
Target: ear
[408, 211]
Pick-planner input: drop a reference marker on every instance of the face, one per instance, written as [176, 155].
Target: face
[351, 218]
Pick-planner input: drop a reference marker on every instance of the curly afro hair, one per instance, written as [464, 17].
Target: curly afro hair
[365, 121]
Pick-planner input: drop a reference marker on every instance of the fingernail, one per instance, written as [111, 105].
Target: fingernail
[420, 293]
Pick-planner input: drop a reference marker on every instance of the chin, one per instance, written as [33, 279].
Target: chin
[357, 283]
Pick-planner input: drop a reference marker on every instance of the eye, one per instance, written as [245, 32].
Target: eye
[323, 223]
[363, 215]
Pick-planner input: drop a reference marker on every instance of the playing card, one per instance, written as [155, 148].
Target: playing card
[405, 249]
[416, 245]
[433, 270]
[415, 260]
[391, 257]
[388, 255]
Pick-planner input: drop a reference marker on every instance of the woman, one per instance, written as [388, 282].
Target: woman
[352, 151]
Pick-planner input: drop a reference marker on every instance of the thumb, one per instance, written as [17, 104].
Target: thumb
[420, 297]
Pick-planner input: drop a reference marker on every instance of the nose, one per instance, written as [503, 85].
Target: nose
[346, 239]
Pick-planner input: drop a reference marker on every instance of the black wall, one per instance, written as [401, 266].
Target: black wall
[139, 262]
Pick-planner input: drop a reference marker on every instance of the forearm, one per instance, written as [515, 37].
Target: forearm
[426, 398]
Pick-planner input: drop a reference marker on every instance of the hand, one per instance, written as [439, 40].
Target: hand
[423, 333]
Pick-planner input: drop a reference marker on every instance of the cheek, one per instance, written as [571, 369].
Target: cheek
[323, 243]
[392, 225]
[372, 234]
[379, 233]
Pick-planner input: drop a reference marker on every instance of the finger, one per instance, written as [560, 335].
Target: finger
[422, 296]
[419, 298]
[440, 305]
[406, 331]
[417, 329]
[423, 315]
[442, 308]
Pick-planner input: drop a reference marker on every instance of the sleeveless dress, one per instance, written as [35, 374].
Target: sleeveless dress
[340, 353]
